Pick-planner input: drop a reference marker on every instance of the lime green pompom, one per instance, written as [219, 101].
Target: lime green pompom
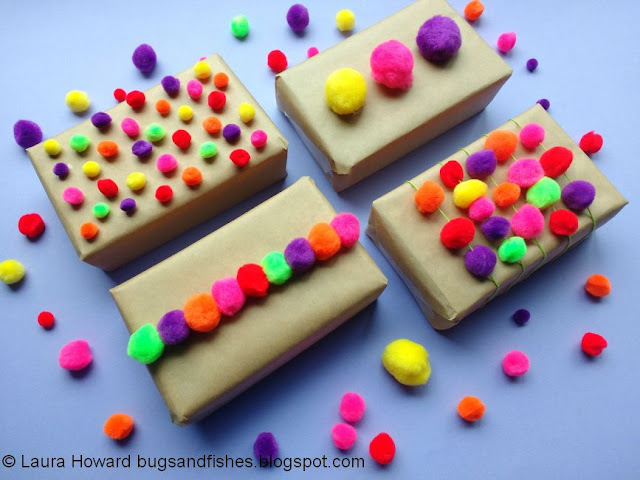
[240, 26]
[276, 268]
[407, 362]
[145, 344]
[512, 250]
[11, 271]
[101, 210]
[208, 149]
[544, 193]
[79, 142]
[155, 132]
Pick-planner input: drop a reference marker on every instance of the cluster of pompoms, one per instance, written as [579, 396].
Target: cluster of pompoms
[202, 312]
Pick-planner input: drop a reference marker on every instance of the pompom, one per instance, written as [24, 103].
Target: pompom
[252, 280]
[240, 26]
[531, 136]
[201, 312]
[136, 181]
[544, 193]
[480, 261]
[75, 355]
[439, 39]
[451, 173]
[429, 197]
[344, 436]
[166, 163]
[101, 120]
[212, 125]
[135, 99]
[11, 271]
[503, 143]
[259, 138]
[598, 285]
[593, 344]
[181, 139]
[52, 147]
[107, 187]
[73, 196]
[544, 103]
[144, 58]
[246, 112]
[228, 296]
[556, 161]
[457, 233]
[31, 225]
[61, 170]
[521, 316]
[173, 328]
[192, 177]
[145, 344]
[407, 362]
[130, 127]
[79, 142]
[298, 17]
[141, 148]
[101, 210]
[347, 226]
[89, 230]
[465, 193]
[217, 100]
[185, 113]
[118, 426]
[46, 320]
[527, 222]
[231, 132]
[471, 408]
[591, 142]
[221, 80]
[119, 94]
[382, 448]
[392, 65]
[194, 89]
[312, 52]
[164, 193]
[276, 268]
[532, 64]
[515, 363]
[345, 20]
[506, 42]
[324, 241]
[481, 209]
[506, 194]
[352, 407]
[525, 172]
[578, 195]
[208, 150]
[512, 250]
[563, 222]
[481, 164]
[345, 91]
[202, 70]
[265, 446]
[240, 157]
[299, 255]
[277, 61]
[128, 205]
[77, 101]
[473, 10]
[170, 84]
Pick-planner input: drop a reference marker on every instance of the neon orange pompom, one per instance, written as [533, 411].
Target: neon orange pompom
[192, 176]
[503, 143]
[89, 230]
[108, 148]
[471, 408]
[201, 312]
[118, 426]
[598, 285]
[429, 197]
[473, 10]
[163, 106]
[221, 80]
[506, 194]
[324, 241]
[212, 125]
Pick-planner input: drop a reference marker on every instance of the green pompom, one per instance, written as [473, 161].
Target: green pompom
[276, 268]
[155, 132]
[101, 210]
[512, 250]
[240, 26]
[145, 344]
[79, 142]
[544, 193]
[208, 150]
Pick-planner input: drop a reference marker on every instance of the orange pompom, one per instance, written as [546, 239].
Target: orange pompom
[221, 80]
[471, 408]
[503, 143]
[598, 285]
[163, 106]
[212, 125]
[506, 194]
[118, 426]
[108, 148]
[89, 230]
[201, 312]
[473, 10]
[192, 176]
[324, 241]
[429, 197]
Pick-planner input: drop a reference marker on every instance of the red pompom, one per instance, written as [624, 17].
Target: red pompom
[119, 94]
[277, 61]
[240, 157]
[181, 138]
[135, 99]
[46, 319]
[164, 193]
[591, 142]
[252, 280]
[108, 187]
[382, 448]
[556, 161]
[31, 225]
[457, 233]
[563, 222]
[451, 173]
[592, 344]
[217, 100]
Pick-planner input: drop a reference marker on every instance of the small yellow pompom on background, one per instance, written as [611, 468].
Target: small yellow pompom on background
[136, 181]
[465, 193]
[345, 91]
[77, 101]
[407, 362]
[11, 271]
[91, 169]
[246, 112]
[202, 70]
[185, 112]
[52, 147]
[345, 20]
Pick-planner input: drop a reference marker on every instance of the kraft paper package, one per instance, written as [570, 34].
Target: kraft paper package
[123, 237]
[436, 276]
[391, 124]
[209, 369]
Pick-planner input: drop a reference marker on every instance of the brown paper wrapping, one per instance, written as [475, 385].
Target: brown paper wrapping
[123, 238]
[437, 277]
[350, 148]
[204, 373]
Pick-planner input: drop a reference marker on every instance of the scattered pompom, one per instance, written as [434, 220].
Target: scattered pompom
[194, 89]
[228, 296]
[119, 94]
[239, 26]
[265, 446]
[345, 20]
[503, 143]
[145, 344]
[480, 261]
[31, 225]
[217, 100]
[276, 268]
[130, 127]
[73, 196]
[481, 209]
[144, 58]
[525, 172]
[173, 328]
[298, 17]
[471, 408]
[136, 181]
[118, 426]
[201, 312]
[344, 436]
[128, 205]
[532, 64]
[100, 210]
[299, 255]
[52, 147]
[593, 344]
[202, 70]
[544, 103]
[465, 193]
[481, 164]
[392, 65]
[77, 101]
[347, 226]
[46, 320]
[345, 91]
[556, 161]
[91, 169]
[515, 363]
[221, 80]
[591, 142]
[259, 138]
[135, 99]
[531, 136]
[75, 355]
[598, 285]
[495, 228]
[563, 222]
[170, 84]
[101, 120]
[246, 111]
[439, 38]
[578, 195]
[252, 280]
[451, 173]
[324, 241]
[277, 61]
[141, 148]
[429, 197]
[506, 42]
[473, 10]
[107, 187]
[544, 193]
[407, 362]
[166, 163]
[231, 132]
[382, 448]
[79, 142]
[352, 407]
[212, 125]
[89, 230]
[506, 194]
[164, 193]
[192, 177]
[512, 250]
[61, 170]
[527, 222]
[185, 113]
[208, 150]
[11, 271]
[521, 316]
[457, 233]
[240, 157]
[312, 52]
[181, 139]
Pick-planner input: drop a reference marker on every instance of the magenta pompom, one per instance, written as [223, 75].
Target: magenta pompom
[525, 172]
[515, 363]
[527, 222]
[343, 435]
[531, 136]
[75, 355]
[392, 65]
[352, 407]
[194, 89]
[347, 227]
[228, 296]
[481, 209]
[506, 42]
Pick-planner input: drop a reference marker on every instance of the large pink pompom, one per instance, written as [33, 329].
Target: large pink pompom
[525, 172]
[347, 227]
[75, 355]
[531, 136]
[527, 222]
[392, 65]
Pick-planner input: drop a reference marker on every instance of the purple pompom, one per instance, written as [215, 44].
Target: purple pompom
[439, 39]
[128, 205]
[481, 164]
[265, 446]
[61, 170]
[170, 84]
[144, 58]
[495, 228]
[141, 148]
[231, 132]
[173, 327]
[298, 17]
[578, 195]
[532, 64]
[480, 261]
[101, 120]
[544, 103]
[27, 133]
[521, 316]
[299, 255]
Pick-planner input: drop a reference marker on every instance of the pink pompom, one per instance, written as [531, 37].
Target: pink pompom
[166, 163]
[259, 138]
[130, 127]
[481, 209]
[531, 136]
[352, 407]
[525, 172]
[75, 355]
[527, 222]
[515, 363]
[392, 65]
[228, 296]
[343, 435]
[194, 89]
[347, 227]
[73, 196]
[312, 51]
[506, 41]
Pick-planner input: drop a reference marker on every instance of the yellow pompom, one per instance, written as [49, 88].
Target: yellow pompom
[185, 112]
[407, 362]
[202, 70]
[467, 192]
[91, 169]
[52, 147]
[77, 101]
[246, 112]
[11, 271]
[136, 181]
[345, 20]
[346, 91]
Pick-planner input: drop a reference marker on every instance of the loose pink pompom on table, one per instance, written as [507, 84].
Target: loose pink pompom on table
[506, 41]
[515, 363]
[343, 435]
[347, 227]
[531, 136]
[352, 407]
[527, 222]
[392, 65]
[312, 52]
[75, 355]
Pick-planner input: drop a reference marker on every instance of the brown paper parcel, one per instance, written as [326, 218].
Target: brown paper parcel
[124, 237]
[350, 148]
[437, 277]
[202, 374]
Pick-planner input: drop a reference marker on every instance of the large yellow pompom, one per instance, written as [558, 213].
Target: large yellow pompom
[11, 271]
[77, 101]
[345, 20]
[467, 192]
[246, 112]
[346, 91]
[202, 70]
[407, 362]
